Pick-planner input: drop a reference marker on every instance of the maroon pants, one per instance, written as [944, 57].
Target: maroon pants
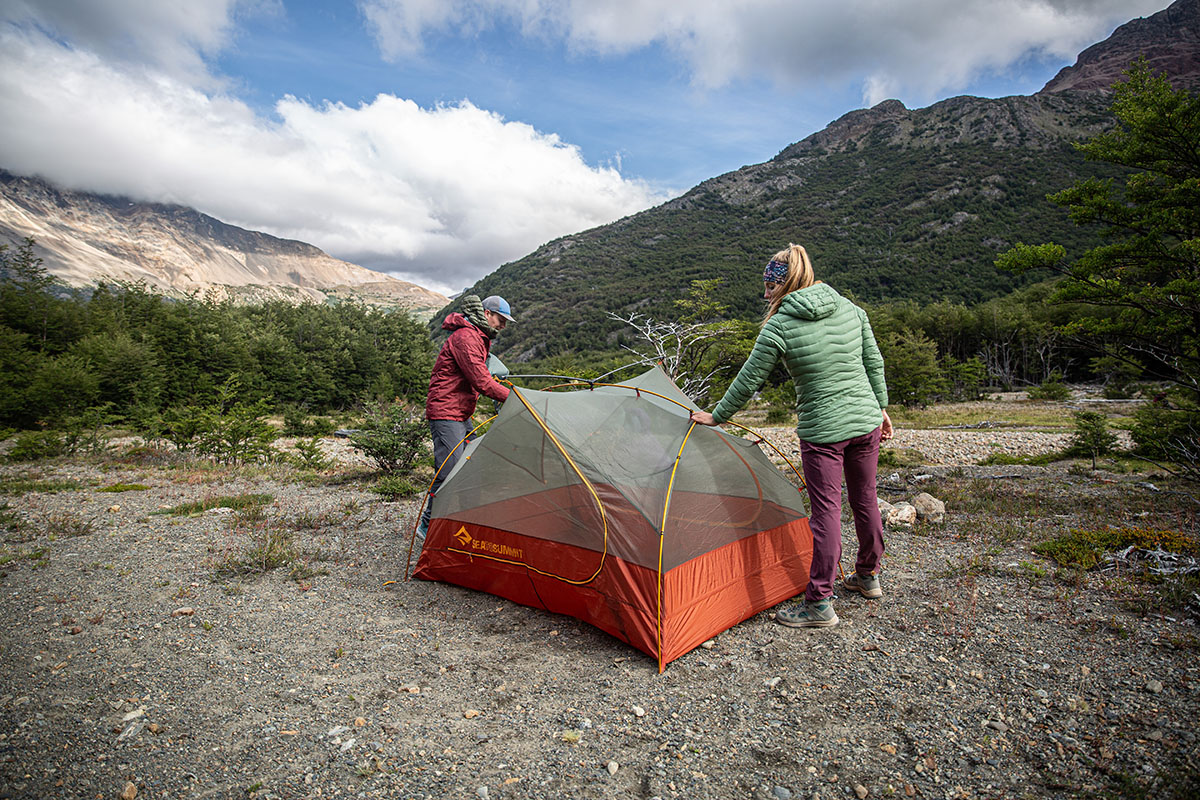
[824, 465]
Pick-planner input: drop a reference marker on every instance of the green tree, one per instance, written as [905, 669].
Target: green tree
[1146, 277]
[913, 375]
[1092, 436]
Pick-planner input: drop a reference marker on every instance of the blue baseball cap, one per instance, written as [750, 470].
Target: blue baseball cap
[499, 305]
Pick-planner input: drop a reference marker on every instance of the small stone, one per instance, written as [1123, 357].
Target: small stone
[860, 791]
[902, 515]
[929, 508]
[996, 725]
[782, 793]
[909, 790]
[359, 722]
[1154, 687]
[638, 711]
[132, 715]
[154, 727]
[346, 745]
[113, 509]
[470, 713]
[572, 737]
[890, 749]
[76, 629]
[186, 611]
[612, 767]
[708, 645]
[482, 792]
[129, 792]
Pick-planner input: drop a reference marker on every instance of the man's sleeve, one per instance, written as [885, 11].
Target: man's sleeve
[471, 357]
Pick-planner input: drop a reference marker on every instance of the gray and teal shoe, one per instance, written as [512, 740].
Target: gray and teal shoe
[808, 615]
[866, 585]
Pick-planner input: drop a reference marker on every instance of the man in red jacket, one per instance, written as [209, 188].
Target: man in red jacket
[460, 375]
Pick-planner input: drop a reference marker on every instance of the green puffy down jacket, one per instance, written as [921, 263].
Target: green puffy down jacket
[827, 346]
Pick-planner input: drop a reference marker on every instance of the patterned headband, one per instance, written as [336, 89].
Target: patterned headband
[775, 272]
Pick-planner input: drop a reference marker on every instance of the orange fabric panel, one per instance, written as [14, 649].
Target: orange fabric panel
[701, 598]
[719, 589]
[621, 600]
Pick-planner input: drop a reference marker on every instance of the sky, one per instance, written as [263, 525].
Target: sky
[438, 139]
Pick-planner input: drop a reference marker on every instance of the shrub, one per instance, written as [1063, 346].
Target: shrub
[1053, 389]
[1166, 432]
[37, 445]
[394, 436]
[310, 456]
[1092, 436]
[395, 487]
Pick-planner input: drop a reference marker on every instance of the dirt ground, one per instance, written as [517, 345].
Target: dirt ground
[142, 656]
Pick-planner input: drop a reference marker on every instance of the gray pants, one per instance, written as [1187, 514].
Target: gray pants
[447, 433]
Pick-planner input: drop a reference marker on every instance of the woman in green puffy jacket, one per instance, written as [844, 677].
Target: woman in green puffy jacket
[827, 346]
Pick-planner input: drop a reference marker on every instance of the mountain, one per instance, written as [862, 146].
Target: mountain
[892, 204]
[87, 238]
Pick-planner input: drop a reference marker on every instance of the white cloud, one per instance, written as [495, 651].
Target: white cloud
[170, 36]
[442, 195]
[918, 49]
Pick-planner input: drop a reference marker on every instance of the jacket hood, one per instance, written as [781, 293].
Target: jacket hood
[816, 302]
[454, 321]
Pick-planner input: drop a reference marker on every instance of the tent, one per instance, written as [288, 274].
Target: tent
[605, 502]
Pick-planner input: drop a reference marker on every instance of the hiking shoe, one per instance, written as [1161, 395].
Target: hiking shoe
[866, 585]
[809, 615]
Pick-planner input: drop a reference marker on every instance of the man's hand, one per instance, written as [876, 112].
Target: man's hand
[886, 431]
[703, 418]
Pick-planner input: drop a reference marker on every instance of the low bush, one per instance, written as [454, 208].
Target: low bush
[37, 445]
[394, 436]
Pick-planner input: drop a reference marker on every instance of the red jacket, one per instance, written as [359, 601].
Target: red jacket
[460, 373]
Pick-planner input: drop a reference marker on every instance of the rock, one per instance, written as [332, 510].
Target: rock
[1154, 687]
[996, 725]
[76, 629]
[612, 767]
[885, 508]
[482, 792]
[359, 722]
[132, 715]
[782, 793]
[890, 749]
[902, 515]
[470, 713]
[129, 792]
[638, 711]
[186, 611]
[929, 508]
[346, 745]
[860, 791]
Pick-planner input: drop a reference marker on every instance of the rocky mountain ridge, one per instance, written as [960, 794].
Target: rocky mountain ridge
[86, 238]
[893, 203]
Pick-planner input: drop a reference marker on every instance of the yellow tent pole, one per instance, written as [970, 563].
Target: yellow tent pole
[591, 490]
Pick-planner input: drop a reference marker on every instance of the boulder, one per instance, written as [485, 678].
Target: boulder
[902, 515]
[929, 508]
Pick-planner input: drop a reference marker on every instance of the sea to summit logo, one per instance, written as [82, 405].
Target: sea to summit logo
[484, 546]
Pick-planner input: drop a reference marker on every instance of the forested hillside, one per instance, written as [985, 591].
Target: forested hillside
[894, 205]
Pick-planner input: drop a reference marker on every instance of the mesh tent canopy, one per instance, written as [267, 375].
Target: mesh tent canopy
[608, 504]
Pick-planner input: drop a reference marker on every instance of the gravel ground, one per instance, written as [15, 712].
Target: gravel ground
[131, 668]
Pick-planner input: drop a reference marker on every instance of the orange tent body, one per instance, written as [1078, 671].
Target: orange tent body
[609, 505]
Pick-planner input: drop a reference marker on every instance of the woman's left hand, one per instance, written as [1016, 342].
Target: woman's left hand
[703, 418]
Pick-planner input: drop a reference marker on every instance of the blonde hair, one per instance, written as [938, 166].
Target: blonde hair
[799, 276]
